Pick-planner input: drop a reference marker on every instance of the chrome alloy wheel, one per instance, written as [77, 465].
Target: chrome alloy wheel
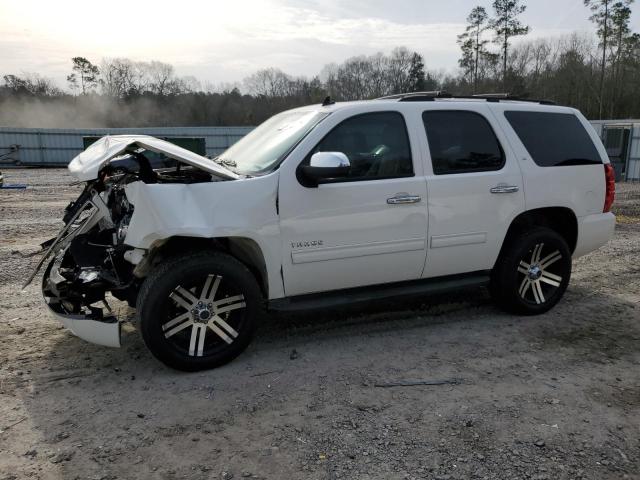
[202, 313]
[540, 280]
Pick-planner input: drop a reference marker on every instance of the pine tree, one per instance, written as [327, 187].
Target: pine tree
[601, 16]
[416, 73]
[472, 44]
[620, 33]
[506, 25]
[85, 72]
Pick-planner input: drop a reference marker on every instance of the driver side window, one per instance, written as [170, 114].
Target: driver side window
[377, 145]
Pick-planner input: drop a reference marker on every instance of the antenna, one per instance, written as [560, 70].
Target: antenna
[327, 101]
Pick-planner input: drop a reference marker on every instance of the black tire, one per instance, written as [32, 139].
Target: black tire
[166, 306]
[524, 286]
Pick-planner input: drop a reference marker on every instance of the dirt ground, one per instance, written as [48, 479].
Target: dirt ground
[549, 397]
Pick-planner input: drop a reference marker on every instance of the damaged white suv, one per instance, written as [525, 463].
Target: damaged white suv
[326, 205]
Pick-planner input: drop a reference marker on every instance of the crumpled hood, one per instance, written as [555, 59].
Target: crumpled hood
[87, 165]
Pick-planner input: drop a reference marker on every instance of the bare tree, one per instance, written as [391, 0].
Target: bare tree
[363, 77]
[117, 76]
[400, 63]
[269, 83]
[31, 84]
[160, 75]
[567, 70]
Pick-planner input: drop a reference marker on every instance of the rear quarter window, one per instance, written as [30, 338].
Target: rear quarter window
[554, 139]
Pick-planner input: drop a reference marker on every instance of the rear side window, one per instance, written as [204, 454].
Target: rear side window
[554, 139]
[461, 142]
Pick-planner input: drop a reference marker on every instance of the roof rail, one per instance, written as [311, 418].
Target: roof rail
[489, 97]
[417, 96]
[496, 97]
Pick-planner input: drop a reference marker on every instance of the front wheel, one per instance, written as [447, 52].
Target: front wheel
[533, 272]
[199, 310]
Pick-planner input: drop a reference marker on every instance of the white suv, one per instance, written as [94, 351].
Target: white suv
[325, 205]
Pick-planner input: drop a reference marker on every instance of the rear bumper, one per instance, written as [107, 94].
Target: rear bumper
[593, 232]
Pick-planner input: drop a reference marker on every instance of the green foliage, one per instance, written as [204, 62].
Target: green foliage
[611, 18]
[473, 44]
[84, 76]
[417, 80]
[506, 25]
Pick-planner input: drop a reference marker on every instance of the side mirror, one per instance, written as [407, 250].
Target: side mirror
[326, 165]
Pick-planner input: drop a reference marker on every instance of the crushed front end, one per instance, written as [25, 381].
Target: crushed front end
[89, 258]
[86, 260]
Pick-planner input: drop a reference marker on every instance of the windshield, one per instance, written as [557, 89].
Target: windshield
[264, 148]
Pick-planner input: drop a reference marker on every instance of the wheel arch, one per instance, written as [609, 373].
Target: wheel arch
[560, 219]
[244, 249]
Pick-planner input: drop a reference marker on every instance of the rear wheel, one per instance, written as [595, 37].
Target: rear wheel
[533, 272]
[199, 311]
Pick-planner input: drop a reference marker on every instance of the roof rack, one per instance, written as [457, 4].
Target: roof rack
[496, 97]
[418, 96]
[439, 94]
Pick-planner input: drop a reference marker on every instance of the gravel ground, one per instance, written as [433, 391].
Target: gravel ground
[550, 397]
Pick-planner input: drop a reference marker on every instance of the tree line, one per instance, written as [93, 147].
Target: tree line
[598, 74]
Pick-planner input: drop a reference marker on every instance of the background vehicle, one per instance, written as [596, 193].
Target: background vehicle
[330, 204]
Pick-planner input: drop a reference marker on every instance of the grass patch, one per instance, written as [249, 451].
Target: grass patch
[626, 219]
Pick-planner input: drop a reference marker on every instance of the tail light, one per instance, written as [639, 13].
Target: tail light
[610, 182]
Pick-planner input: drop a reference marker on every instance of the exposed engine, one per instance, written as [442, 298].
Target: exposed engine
[89, 253]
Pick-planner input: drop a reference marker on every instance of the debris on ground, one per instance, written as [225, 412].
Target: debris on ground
[452, 381]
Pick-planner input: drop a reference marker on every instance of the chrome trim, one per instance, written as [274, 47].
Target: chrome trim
[536, 273]
[403, 199]
[459, 239]
[359, 250]
[505, 189]
[203, 311]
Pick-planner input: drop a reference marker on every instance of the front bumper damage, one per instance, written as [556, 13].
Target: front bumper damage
[93, 256]
[102, 332]
[94, 327]
[77, 300]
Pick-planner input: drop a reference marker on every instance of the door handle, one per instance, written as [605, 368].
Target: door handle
[403, 198]
[505, 189]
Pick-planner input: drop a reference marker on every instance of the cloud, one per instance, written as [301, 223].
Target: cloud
[222, 43]
[227, 40]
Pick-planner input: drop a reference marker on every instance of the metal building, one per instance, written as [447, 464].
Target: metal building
[621, 138]
[56, 147]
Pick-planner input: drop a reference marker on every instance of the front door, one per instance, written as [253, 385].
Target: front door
[353, 232]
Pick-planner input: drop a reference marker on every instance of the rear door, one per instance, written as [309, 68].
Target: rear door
[475, 187]
[560, 155]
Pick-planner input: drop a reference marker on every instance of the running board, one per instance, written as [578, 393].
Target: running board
[352, 296]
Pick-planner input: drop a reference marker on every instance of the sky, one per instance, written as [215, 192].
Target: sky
[225, 41]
